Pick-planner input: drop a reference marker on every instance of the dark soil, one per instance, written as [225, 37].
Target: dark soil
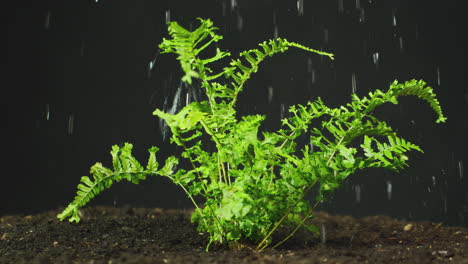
[128, 235]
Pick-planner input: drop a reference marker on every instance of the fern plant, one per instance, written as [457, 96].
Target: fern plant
[254, 183]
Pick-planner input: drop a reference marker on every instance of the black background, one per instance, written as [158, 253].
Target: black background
[77, 80]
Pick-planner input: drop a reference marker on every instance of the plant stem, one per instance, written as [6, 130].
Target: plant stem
[298, 226]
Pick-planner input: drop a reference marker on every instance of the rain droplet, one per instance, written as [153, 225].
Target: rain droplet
[240, 23]
[389, 190]
[362, 16]
[314, 76]
[47, 116]
[47, 20]
[438, 76]
[353, 83]
[223, 8]
[270, 94]
[400, 42]
[300, 7]
[282, 110]
[233, 4]
[323, 233]
[358, 4]
[445, 204]
[175, 104]
[433, 181]
[325, 35]
[394, 21]
[375, 59]
[150, 68]
[340, 6]
[460, 168]
[275, 33]
[187, 99]
[357, 189]
[71, 121]
[82, 48]
[168, 16]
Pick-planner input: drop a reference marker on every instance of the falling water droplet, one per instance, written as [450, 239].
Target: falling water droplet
[323, 233]
[300, 7]
[375, 59]
[275, 33]
[175, 104]
[353, 83]
[233, 4]
[358, 4]
[282, 110]
[389, 190]
[357, 189]
[82, 48]
[270, 94]
[340, 6]
[445, 204]
[325, 35]
[400, 42]
[240, 23]
[223, 8]
[416, 32]
[168, 16]
[460, 169]
[47, 20]
[394, 20]
[47, 116]
[433, 181]
[187, 99]
[150, 68]
[313, 76]
[71, 121]
[438, 76]
[362, 15]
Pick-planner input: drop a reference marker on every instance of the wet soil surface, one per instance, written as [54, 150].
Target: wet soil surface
[130, 235]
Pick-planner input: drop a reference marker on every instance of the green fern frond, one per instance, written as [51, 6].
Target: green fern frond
[188, 45]
[125, 166]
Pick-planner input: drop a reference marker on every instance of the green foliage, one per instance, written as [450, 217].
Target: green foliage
[255, 182]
